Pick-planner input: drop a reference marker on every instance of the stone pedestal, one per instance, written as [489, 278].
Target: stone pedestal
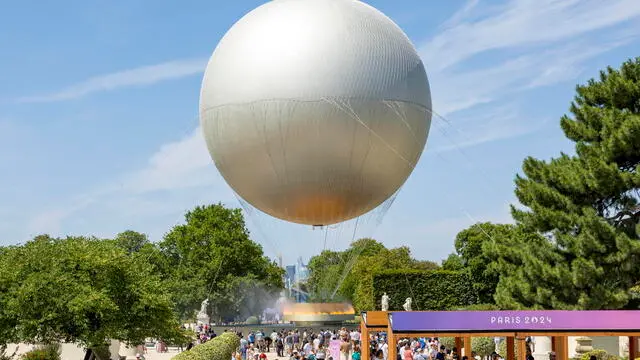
[130, 352]
[585, 344]
[542, 347]
[203, 319]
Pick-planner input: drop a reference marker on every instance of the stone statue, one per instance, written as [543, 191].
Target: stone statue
[203, 317]
[407, 304]
[385, 302]
[203, 306]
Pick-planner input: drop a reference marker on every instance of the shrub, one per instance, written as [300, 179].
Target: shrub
[483, 346]
[600, 355]
[44, 352]
[429, 290]
[448, 342]
[218, 348]
[252, 320]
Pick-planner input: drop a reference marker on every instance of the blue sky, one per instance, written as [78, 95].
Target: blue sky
[99, 104]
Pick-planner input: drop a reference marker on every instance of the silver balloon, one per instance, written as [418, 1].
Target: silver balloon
[315, 111]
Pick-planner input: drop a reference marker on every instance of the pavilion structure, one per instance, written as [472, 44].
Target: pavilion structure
[515, 326]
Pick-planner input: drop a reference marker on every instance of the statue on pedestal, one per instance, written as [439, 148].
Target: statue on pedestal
[203, 317]
[385, 302]
[407, 304]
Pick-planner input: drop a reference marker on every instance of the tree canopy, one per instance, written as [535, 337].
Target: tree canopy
[83, 290]
[471, 247]
[577, 246]
[351, 271]
[211, 256]
[90, 290]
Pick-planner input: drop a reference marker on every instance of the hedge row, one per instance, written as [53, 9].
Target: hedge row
[429, 290]
[219, 348]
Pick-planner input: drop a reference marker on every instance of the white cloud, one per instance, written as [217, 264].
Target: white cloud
[181, 164]
[141, 76]
[476, 29]
[481, 89]
[521, 23]
[456, 90]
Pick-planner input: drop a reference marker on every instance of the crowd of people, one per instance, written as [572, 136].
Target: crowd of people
[338, 344]
[296, 344]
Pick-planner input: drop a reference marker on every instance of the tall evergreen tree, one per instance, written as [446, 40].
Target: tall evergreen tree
[578, 247]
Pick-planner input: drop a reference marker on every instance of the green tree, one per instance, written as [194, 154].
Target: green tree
[471, 246]
[209, 255]
[325, 271]
[350, 272]
[330, 270]
[453, 262]
[131, 241]
[367, 266]
[360, 251]
[577, 247]
[82, 290]
[424, 265]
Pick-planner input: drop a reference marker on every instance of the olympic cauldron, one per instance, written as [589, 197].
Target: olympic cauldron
[317, 313]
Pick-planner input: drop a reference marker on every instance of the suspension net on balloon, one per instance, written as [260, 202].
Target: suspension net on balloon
[316, 162]
[315, 239]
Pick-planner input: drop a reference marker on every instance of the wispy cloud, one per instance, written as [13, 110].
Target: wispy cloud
[521, 23]
[458, 90]
[493, 124]
[141, 76]
[179, 166]
[533, 35]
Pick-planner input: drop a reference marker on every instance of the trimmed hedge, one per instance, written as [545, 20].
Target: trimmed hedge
[219, 348]
[429, 290]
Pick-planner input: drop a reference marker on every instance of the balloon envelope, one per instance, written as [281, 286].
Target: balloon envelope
[315, 111]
